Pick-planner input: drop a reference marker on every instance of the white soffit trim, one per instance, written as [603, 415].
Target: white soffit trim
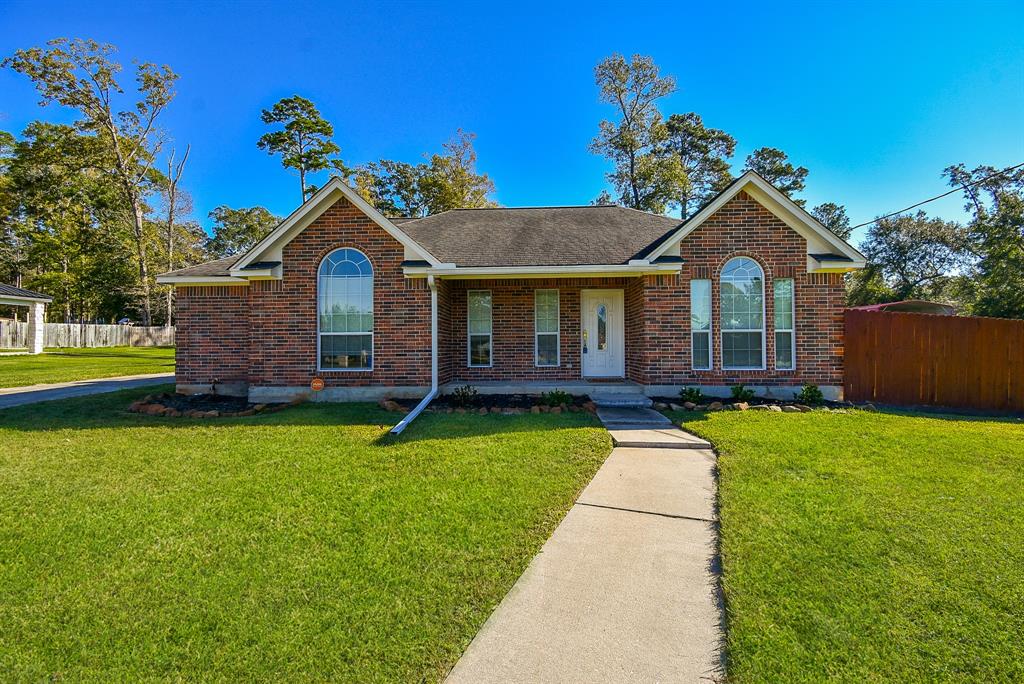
[605, 270]
[795, 216]
[200, 280]
[314, 207]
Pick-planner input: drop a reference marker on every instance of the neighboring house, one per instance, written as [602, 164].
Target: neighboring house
[748, 290]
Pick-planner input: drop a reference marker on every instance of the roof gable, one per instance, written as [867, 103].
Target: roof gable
[819, 238]
[269, 249]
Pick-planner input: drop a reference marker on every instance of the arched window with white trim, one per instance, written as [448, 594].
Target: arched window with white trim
[742, 311]
[345, 306]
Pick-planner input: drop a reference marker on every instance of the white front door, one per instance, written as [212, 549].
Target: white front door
[604, 344]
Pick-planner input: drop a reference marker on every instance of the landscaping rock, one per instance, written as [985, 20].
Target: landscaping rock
[590, 407]
[495, 409]
[259, 407]
[760, 407]
[675, 407]
[661, 406]
[460, 410]
[869, 407]
[689, 405]
[391, 405]
[790, 409]
[715, 406]
[741, 406]
[482, 410]
[535, 409]
[776, 408]
[803, 408]
[545, 408]
[154, 410]
[556, 409]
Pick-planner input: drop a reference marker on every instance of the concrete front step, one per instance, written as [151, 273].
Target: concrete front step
[659, 438]
[617, 416]
[620, 399]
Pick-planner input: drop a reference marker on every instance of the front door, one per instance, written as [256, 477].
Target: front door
[604, 345]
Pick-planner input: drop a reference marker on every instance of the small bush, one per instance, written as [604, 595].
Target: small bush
[555, 398]
[465, 396]
[741, 393]
[692, 394]
[809, 394]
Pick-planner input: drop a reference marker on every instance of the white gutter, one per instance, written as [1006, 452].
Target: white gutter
[411, 416]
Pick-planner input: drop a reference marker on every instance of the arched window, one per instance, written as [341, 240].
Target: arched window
[345, 305]
[742, 305]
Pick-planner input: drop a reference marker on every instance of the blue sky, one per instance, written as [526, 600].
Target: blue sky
[875, 99]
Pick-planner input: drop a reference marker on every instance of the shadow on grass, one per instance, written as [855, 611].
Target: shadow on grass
[906, 412]
[110, 410]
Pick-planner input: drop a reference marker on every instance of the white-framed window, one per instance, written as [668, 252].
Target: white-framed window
[785, 324]
[345, 311]
[478, 350]
[742, 304]
[547, 336]
[700, 324]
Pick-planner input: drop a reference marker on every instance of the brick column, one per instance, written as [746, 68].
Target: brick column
[36, 327]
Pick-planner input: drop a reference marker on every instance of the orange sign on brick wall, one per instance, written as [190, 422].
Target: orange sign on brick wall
[317, 384]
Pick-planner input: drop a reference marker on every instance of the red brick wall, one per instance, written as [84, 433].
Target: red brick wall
[512, 327]
[212, 334]
[744, 227]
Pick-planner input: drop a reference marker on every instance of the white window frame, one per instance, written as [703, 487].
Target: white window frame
[469, 334]
[373, 312]
[557, 333]
[764, 321]
[790, 330]
[710, 330]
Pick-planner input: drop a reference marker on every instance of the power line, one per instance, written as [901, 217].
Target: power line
[945, 194]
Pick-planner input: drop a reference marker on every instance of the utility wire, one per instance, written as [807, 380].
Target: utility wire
[945, 194]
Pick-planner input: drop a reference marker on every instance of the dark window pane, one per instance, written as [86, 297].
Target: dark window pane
[602, 328]
[480, 350]
[701, 351]
[346, 351]
[547, 350]
[784, 350]
[741, 350]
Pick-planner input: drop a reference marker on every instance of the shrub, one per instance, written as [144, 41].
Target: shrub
[465, 396]
[741, 393]
[692, 394]
[809, 394]
[555, 398]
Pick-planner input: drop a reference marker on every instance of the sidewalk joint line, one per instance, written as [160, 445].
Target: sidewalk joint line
[635, 510]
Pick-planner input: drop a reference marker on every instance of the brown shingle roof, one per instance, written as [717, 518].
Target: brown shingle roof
[539, 236]
[529, 236]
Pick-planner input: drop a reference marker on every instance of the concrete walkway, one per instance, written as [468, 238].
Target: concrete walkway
[17, 396]
[626, 588]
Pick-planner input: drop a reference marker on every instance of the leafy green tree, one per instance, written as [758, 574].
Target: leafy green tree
[80, 74]
[445, 181]
[304, 142]
[603, 199]
[237, 230]
[703, 153]
[644, 177]
[833, 216]
[451, 181]
[911, 256]
[774, 166]
[995, 201]
[393, 187]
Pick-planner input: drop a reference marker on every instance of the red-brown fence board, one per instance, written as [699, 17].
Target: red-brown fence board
[925, 359]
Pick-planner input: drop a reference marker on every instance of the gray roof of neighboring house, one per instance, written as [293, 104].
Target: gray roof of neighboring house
[11, 291]
[528, 236]
[540, 236]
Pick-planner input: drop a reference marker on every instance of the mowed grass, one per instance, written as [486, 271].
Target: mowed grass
[301, 545]
[67, 364]
[871, 547]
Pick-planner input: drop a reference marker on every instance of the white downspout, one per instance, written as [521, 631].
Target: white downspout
[411, 416]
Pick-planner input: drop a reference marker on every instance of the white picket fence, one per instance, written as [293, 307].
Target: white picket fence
[15, 335]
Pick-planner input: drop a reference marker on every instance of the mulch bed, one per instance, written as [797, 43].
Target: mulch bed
[200, 406]
[508, 404]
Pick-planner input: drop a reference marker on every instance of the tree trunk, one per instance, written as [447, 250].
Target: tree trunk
[140, 247]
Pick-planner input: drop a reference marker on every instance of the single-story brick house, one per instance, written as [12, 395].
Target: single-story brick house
[748, 290]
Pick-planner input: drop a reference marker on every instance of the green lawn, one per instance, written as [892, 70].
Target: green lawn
[871, 547]
[301, 545]
[65, 365]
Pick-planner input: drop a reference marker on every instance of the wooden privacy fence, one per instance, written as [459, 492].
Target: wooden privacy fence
[924, 359]
[15, 335]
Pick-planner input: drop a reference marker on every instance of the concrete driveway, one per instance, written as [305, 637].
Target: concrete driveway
[625, 590]
[17, 396]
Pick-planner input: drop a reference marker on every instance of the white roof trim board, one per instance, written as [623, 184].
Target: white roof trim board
[793, 214]
[314, 207]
